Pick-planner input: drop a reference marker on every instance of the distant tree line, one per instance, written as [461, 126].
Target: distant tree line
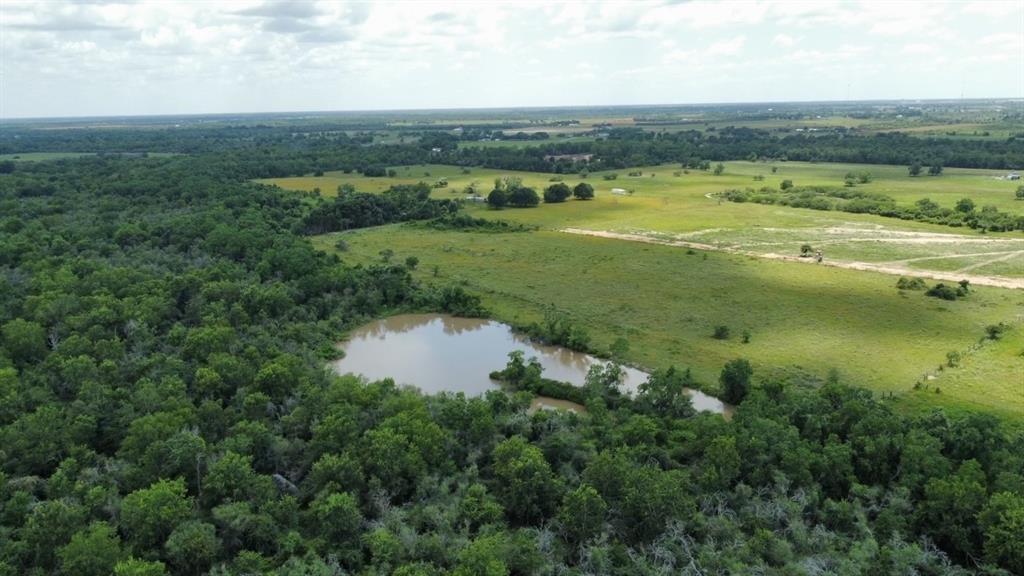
[244, 152]
[861, 202]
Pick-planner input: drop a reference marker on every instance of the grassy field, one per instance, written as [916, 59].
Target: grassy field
[801, 318]
[666, 302]
[680, 206]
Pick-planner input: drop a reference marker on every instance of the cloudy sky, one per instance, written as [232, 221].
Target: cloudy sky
[121, 58]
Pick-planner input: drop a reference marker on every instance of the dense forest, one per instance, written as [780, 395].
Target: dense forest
[165, 408]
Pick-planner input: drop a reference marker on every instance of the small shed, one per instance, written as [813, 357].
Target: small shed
[619, 191]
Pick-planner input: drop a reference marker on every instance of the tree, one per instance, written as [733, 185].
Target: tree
[603, 381]
[786, 185]
[524, 482]
[192, 547]
[1002, 523]
[337, 519]
[582, 514]
[950, 507]
[935, 170]
[965, 205]
[25, 341]
[478, 508]
[523, 197]
[557, 193]
[584, 191]
[735, 380]
[497, 199]
[92, 552]
[721, 332]
[719, 168]
[50, 525]
[721, 463]
[914, 169]
[150, 515]
[664, 393]
[1019, 195]
[231, 479]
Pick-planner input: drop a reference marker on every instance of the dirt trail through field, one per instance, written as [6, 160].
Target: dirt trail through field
[885, 268]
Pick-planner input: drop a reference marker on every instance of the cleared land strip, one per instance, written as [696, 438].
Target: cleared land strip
[885, 268]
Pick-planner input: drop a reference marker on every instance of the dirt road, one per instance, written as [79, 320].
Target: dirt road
[884, 268]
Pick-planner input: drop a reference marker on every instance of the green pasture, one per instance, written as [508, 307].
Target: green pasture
[668, 201]
[666, 303]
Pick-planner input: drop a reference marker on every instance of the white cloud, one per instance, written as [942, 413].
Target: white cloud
[919, 48]
[783, 40]
[994, 8]
[71, 58]
[730, 47]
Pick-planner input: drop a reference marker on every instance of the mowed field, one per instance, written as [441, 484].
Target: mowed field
[802, 318]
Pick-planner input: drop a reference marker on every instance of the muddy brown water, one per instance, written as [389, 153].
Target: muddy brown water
[440, 353]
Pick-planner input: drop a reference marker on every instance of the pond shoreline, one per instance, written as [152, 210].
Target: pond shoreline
[444, 353]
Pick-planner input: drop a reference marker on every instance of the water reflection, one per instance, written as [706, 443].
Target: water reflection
[439, 353]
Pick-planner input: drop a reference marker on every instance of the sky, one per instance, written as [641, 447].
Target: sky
[95, 58]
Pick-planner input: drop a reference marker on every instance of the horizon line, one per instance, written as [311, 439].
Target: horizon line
[7, 120]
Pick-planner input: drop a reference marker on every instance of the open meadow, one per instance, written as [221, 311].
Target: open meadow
[670, 204]
[802, 319]
[667, 302]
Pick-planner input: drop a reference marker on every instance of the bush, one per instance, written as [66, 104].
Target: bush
[721, 333]
[994, 331]
[611, 176]
[786, 184]
[942, 291]
[905, 283]
[806, 251]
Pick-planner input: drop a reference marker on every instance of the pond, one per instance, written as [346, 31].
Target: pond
[440, 353]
